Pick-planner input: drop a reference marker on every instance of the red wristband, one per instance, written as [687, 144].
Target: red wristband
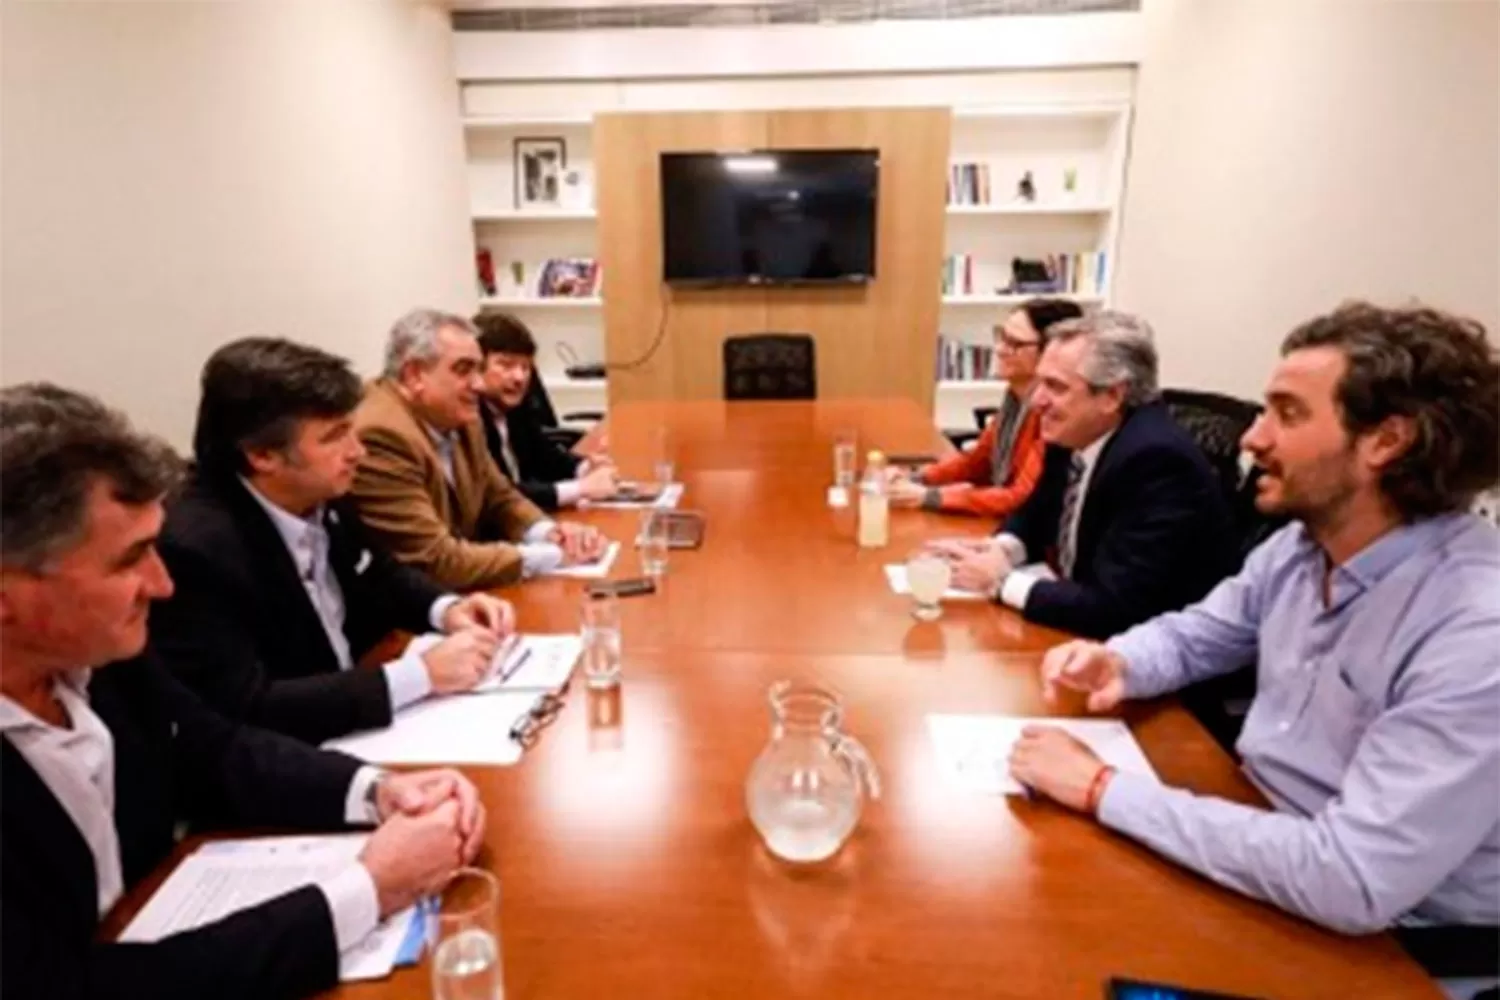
[1096, 789]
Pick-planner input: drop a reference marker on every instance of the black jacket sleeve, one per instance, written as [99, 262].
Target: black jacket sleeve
[1139, 556]
[544, 495]
[240, 775]
[209, 647]
[283, 948]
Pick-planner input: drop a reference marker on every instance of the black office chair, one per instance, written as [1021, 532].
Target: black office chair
[982, 414]
[770, 366]
[1217, 423]
[1454, 951]
[540, 403]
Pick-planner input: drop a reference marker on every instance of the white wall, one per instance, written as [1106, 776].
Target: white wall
[175, 175]
[1289, 154]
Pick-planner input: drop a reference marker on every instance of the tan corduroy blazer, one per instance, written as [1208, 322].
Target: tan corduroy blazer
[461, 536]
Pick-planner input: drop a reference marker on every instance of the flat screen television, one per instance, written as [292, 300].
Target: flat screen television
[769, 217]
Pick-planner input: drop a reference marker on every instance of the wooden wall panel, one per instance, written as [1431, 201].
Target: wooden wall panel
[878, 340]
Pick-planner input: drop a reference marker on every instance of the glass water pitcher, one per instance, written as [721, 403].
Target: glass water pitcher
[806, 789]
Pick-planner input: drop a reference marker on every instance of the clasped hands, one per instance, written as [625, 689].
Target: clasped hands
[431, 823]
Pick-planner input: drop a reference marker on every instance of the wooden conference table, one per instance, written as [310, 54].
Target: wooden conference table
[628, 864]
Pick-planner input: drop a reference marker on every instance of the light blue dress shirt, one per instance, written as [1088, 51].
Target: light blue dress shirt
[308, 543]
[1374, 733]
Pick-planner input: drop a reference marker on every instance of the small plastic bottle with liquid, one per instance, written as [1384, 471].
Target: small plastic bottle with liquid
[874, 504]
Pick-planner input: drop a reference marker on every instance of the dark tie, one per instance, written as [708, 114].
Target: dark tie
[1072, 500]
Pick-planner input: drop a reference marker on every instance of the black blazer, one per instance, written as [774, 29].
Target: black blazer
[542, 463]
[175, 759]
[1154, 534]
[242, 632]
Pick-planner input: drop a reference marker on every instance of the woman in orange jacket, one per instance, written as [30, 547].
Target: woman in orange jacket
[1000, 471]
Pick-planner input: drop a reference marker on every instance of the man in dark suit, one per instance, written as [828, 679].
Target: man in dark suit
[1128, 517]
[103, 753]
[549, 475]
[279, 590]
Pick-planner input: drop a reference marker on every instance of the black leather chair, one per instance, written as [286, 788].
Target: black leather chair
[982, 415]
[770, 366]
[540, 403]
[1217, 423]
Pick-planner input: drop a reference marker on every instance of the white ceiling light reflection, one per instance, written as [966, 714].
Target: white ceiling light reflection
[749, 164]
[611, 766]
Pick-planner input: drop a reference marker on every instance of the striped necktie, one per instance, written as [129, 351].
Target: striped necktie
[1067, 524]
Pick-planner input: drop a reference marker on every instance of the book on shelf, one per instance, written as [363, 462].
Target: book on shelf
[1061, 274]
[959, 360]
[968, 183]
[555, 278]
[958, 274]
[569, 277]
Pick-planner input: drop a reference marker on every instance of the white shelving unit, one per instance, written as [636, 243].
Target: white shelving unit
[1032, 208]
[1010, 301]
[537, 302]
[1050, 140]
[521, 239]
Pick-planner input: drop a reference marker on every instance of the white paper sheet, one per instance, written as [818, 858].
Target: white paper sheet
[227, 876]
[458, 729]
[670, 496]
[533, 663]
[590, 571]
[973, 750]
[895, 574]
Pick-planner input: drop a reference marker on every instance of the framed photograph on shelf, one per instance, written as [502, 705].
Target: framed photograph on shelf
[539, 166]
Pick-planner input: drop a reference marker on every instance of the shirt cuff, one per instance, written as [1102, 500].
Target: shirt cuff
[358, 810]
[1016, 588]
[353, 904]
[538, 558]
[568, 492]
[1013, 547]
[439, 609]
[538, 532]
[407, 679]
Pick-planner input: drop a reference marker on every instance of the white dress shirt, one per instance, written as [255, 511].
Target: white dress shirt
[307, 541]
[538, 555]
[1015, 586]
[77, 764]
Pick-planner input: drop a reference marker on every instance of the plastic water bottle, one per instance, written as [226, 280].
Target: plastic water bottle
[874, 504]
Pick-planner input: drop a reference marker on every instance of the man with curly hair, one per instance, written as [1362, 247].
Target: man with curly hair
[1374, 620]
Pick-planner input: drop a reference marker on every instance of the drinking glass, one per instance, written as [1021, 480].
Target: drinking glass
[664, 466]
[845, 450]
[601, 640]
[654, 543]
[463, 935]
[927, 576]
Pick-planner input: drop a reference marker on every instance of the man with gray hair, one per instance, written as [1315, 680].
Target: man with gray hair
[104, 755]
[1128, 520]
[427, 487]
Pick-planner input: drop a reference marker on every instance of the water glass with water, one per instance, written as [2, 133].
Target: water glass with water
[927, 577]
[664, 467]
[845, 450]
[655, 541]
[463, 937]
[600, 632]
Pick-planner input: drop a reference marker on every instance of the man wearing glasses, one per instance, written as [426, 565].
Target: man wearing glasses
[999, 473]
